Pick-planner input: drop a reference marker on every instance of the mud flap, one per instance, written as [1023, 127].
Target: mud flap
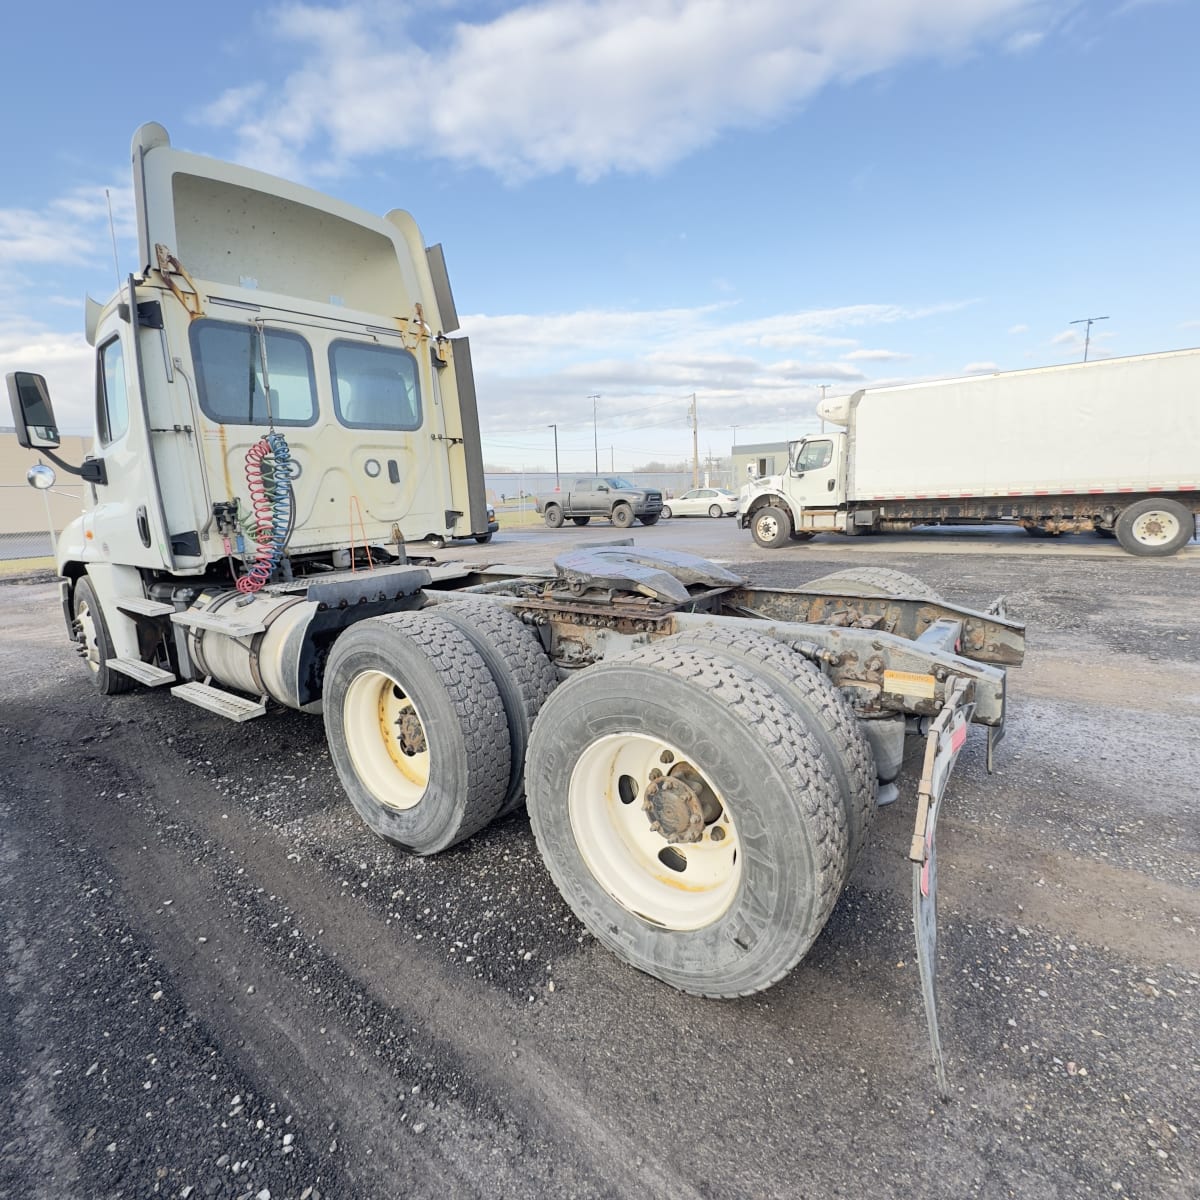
[946, 737]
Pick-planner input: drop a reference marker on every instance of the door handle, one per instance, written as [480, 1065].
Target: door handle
[831, 485]
[143, 525]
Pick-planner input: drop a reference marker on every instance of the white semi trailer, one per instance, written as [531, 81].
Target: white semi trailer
[279, 413]
[1112, 445]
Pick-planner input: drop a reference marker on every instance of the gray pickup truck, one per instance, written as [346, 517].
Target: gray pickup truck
[601, 496]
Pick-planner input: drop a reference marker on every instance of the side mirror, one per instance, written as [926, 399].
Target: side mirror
[602, 488]
[33, 414]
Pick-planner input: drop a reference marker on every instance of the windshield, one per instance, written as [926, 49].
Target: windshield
[623, 484]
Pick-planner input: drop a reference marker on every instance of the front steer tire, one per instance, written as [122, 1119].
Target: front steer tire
[91, 633]
[771, 527]
[416, 730]
[740, 921]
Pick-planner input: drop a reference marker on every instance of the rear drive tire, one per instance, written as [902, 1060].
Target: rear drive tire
[91, 633]
[580, 520]
[521, 669]
[802, 535]
[823, 709]
[554, 516]
[771, 527]
[875, 581]
[759, 834]
[416, 730]
[1155, 528]
[622, 516]
[483, 538]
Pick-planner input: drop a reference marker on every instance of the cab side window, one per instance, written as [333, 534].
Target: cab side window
[814, 456]
[112, 393]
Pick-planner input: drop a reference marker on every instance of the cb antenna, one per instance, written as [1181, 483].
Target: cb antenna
[112, 229]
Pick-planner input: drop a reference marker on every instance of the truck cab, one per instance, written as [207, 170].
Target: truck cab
[808, 498]
[277, 397]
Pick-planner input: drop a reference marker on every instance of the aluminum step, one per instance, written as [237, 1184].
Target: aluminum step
[200, 618]
[143, 672]
[224, 704]
[140, 606]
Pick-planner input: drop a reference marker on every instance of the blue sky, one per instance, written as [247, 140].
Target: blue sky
[649, 198]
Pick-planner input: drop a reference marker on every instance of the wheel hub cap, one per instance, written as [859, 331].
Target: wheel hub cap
[412, 735]
[674, 810]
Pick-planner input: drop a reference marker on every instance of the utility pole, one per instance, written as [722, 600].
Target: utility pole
[612, 461]
[557, 481]
[695, 445]
[733, 459]
[1087, 337]
[595, 399]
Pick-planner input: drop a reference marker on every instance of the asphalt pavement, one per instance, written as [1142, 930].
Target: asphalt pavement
[218, 983]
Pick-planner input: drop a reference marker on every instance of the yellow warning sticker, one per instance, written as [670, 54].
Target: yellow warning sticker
[909, 683]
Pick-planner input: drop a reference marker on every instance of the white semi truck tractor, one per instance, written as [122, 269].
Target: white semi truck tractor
[1111, 446]
[280, 413]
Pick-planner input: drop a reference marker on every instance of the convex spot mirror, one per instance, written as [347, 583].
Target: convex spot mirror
[33, 414]
[40, 476]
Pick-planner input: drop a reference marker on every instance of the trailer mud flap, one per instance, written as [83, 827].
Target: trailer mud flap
[946, 737]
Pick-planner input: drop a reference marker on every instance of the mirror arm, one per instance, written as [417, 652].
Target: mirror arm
[92, 470]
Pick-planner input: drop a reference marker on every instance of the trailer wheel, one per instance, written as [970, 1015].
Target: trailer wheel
[93, 641]
[622, 516]
[554, 516]
[824, 711]
[875, 581]
[1155, 528]
[522, 671]
[416, 730]
[580, 520]
[686, 818]
[771, 527]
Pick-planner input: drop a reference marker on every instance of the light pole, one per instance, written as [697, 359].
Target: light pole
[595, 399]
[1087, 337]
[557, 481]
[733, 459]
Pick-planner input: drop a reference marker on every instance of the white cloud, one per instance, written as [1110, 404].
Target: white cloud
[66, 361]
[1015, 329]
[71, 229]
[589, 87]
[876, 356]
[532, 369]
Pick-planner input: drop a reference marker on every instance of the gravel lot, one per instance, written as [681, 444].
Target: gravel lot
[219, 984]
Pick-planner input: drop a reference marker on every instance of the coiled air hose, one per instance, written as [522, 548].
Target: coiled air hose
[269, 480]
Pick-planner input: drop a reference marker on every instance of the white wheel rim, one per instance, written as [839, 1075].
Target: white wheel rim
[715, 511]
[91, 641]
[387, 759]
[1156, 527]
[630, 860]
[768, 527]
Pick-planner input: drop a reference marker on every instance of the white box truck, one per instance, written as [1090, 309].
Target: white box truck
[1053, 449]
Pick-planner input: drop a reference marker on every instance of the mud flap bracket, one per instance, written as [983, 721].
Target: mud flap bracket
[946, 737]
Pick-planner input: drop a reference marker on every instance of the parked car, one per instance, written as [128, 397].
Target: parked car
[702, 502]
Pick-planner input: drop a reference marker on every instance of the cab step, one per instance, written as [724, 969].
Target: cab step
[140, 606]
[143, 672]
[199, 618]
[224, 704]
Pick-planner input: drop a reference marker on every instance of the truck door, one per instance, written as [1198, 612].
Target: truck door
[815, 472]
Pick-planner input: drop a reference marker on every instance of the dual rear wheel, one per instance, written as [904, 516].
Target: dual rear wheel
[699, 802]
